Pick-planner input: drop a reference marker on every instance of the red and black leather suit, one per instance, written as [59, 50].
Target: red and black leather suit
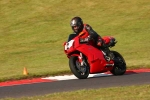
[88, 32]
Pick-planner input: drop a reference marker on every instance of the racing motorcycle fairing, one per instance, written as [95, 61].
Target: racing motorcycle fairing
[94, 56]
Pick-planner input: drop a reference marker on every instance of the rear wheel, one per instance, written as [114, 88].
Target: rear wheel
[81, 72]
[119, 64]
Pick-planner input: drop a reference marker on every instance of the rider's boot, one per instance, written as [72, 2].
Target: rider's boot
[106, 51]
[107, 54]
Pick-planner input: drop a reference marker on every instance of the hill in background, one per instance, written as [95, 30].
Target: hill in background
[32, 32]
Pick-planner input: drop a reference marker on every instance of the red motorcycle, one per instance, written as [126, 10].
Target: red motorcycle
[85, 59]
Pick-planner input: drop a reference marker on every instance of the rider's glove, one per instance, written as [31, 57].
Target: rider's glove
[99, 42]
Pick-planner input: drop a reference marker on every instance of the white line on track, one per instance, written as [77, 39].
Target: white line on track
[69, 77]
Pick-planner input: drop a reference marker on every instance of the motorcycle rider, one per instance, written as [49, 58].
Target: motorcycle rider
[89, 34]
[78, 28]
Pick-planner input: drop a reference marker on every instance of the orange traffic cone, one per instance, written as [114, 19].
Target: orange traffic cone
[25, 72]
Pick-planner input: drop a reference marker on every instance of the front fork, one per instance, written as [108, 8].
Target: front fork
[81, 59]
[83, 64]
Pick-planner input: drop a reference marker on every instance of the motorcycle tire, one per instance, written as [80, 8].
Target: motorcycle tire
[73, 64]
[119, 64]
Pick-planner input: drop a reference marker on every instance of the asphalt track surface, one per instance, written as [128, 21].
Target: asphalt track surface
[16, 90]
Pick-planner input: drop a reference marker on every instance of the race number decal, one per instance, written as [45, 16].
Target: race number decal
[69, 44]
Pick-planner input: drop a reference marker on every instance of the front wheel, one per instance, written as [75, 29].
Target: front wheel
[119, 64]
[81, 72]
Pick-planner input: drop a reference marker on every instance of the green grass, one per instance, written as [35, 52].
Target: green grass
[32, 33]
[137, 92]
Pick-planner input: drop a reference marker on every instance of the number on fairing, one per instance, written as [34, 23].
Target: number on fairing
[69, 44]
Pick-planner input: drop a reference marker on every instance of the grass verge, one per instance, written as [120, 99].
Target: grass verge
[137, 92]
[32, 33]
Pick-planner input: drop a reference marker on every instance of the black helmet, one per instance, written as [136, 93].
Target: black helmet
[76, 24]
